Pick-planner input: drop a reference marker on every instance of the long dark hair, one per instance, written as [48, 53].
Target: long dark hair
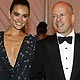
[21, 2]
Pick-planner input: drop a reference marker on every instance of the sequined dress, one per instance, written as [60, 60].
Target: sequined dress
[21, 69]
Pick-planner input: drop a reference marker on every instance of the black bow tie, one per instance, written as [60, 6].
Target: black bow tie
[67, 39]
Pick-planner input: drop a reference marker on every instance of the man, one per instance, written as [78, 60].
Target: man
[55, 59]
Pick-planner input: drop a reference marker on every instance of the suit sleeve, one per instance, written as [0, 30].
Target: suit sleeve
[36, 72]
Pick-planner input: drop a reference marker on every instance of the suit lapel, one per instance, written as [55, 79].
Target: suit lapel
[76, 60]
[54, 54]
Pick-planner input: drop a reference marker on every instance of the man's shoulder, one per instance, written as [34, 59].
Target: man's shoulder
[49, 38]
[77, 35]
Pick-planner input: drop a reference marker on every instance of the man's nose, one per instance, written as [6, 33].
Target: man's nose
[58, 18]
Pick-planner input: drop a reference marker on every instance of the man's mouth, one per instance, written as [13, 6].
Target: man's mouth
[59, 24]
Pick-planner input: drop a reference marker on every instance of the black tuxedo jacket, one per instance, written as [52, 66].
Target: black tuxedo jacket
[47, 61]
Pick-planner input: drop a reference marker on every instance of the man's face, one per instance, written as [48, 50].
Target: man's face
[62, 19]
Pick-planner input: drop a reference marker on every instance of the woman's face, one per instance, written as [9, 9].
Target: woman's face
[19, 16]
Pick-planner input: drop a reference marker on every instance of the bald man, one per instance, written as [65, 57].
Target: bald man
[58, 56]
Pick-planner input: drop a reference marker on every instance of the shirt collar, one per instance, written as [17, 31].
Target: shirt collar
[71, 34]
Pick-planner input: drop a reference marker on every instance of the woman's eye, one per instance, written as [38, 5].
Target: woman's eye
[16, 14]
[25, 16]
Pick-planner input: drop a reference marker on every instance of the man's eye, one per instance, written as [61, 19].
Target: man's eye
[62, 14]
[54, 16]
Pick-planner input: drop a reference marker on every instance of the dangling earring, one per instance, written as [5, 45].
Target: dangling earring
[9, 17]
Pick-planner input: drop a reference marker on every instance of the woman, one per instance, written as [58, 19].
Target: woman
[16, 48]
[42, 30]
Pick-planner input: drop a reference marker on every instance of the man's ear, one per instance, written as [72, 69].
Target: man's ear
[73, 18]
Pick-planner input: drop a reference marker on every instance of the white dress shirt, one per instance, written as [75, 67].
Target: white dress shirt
[67, 55]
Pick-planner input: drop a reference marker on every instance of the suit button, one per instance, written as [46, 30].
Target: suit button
[65, 47]
[66, 68]
[66, 58]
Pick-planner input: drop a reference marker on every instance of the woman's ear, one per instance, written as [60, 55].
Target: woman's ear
[9, 15]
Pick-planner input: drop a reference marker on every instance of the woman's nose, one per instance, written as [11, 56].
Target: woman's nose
[20, 19]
